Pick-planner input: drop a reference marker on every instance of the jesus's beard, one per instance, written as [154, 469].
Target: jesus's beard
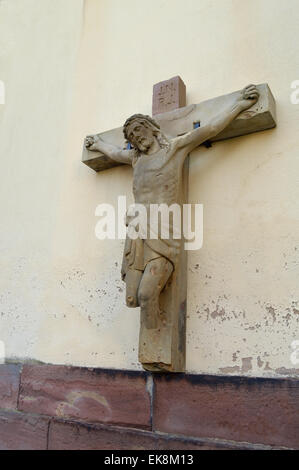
[144, 146]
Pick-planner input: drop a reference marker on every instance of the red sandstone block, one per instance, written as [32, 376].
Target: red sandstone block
[169, 95]
[22, 432]
[75, 436]
[261, 411]
[88, 395]
[9, 386]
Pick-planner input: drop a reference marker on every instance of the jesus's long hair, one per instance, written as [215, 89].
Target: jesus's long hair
[149, 122]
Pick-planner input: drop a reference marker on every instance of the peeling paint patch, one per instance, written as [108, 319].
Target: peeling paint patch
[260, 363]
[218, 312]
[235, 356]
[246, 364]
[285, 371]
[272, 311]
[229, 370]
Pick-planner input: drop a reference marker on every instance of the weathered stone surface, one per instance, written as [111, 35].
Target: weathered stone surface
[9, 386]
[19, 431]
[169, 95]
[90, 395]
[72, 436]
[189, 412]
[264, 411]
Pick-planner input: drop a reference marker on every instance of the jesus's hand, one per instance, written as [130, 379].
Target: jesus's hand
[90, 141]
[248, 97]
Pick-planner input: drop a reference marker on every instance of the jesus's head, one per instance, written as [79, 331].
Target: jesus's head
[142, 132]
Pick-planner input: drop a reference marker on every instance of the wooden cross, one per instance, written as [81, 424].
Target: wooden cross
[163, 348]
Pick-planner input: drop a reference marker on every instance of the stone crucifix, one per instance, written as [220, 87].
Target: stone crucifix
[155, 270]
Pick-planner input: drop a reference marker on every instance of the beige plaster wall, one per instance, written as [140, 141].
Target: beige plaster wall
[72, 68]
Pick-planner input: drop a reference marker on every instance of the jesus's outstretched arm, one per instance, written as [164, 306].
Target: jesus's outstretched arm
[246, 98]
[96, 144]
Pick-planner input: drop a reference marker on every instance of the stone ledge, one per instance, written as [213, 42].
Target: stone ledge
[89, 395]
[20, 431]
[9, 386]
[178, 409]
[67, 435]
[259, 411]
[23, 431]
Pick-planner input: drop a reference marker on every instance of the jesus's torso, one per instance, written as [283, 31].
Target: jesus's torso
[157, 177]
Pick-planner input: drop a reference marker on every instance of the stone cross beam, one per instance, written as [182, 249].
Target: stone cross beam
[260, 117]
[162, 345]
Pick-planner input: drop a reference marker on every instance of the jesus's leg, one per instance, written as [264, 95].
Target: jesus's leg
[133, 277]
[154, 278]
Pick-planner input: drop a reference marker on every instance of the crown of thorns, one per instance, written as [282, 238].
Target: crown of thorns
[142, 118]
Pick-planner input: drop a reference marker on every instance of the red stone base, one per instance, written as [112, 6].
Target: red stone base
[61, 407]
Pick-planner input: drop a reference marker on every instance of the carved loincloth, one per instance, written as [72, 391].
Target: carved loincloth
[138, 253]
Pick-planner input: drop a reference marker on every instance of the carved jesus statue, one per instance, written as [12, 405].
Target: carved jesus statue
[157, 162]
